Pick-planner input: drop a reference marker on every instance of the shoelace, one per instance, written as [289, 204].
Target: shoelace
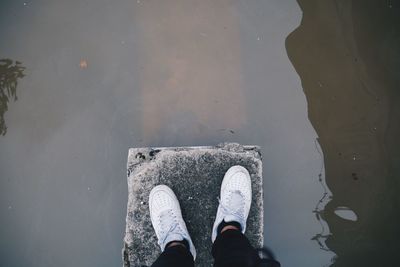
[229, 211]
[171, 228]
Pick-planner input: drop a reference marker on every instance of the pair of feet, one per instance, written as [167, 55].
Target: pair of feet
[232, 213]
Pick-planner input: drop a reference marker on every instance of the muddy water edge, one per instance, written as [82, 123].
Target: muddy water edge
[347, 56]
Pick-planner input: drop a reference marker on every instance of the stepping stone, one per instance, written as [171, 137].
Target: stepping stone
[195, 175]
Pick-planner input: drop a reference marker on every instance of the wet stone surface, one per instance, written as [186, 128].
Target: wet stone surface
[195, 175]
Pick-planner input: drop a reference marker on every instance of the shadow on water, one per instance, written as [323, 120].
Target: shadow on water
[347, 55]
[10, 72]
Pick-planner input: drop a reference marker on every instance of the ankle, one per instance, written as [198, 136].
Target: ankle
[223, 226]
[229, 227]
[182, 243]
[174, 244]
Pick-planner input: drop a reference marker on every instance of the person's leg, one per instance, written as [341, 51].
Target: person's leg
[175, 256]
[232, 248]
[230, 245]
[173, 237]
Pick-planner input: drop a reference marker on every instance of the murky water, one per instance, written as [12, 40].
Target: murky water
[103, 76]
[347, 54]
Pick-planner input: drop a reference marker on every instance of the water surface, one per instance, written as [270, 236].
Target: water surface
[347, 55]
[103, 76]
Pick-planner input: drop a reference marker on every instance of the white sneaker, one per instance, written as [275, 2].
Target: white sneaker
[166, 217]
[235, 199]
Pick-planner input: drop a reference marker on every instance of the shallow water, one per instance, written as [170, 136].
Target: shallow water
[102, 76]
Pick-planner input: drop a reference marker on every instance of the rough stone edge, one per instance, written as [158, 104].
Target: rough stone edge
[229, 147]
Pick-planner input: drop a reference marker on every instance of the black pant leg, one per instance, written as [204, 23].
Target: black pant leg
[232, 248]
[176, 256]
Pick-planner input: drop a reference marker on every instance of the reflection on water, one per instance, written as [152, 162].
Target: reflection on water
[322, 235]
[347, 55]
[10, 72]
[190, 75]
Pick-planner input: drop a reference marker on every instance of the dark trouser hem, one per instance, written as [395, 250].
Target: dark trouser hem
[176, 256]
[232, 248]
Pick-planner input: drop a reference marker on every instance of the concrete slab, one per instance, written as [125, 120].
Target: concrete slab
[195, 175]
